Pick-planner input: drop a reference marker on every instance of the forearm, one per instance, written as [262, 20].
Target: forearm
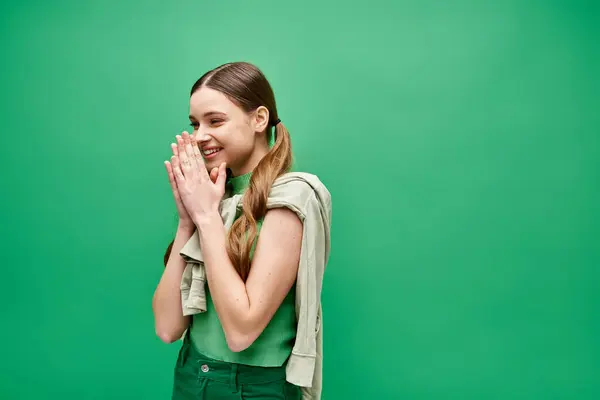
[226, 286]
[169, 321]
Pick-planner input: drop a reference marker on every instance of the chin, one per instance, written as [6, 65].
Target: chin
[210, 166]
[214, 163]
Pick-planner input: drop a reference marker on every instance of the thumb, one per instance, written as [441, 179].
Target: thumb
[222, 176]
[214, 174]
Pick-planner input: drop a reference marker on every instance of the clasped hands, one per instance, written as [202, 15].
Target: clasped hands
[197, 193]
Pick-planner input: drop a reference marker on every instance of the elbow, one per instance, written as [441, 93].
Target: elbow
[238, 344]
[242, 333]
[169, 335]
[238, 341]
[236, 347]
[170, 330]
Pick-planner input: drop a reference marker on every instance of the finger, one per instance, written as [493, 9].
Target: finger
[172, 180]
[184, 163]
[198, 154]
[177, 172]
[214, 174]
[175, 150]
[170, 172]
[202, 171]
[189, 149]
[222, 176]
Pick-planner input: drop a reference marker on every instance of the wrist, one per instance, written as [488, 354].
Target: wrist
[205, 220]
[186, 227]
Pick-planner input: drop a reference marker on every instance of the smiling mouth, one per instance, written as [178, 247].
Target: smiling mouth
[210, 153]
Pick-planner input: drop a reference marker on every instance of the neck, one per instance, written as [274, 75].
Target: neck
[252, 162]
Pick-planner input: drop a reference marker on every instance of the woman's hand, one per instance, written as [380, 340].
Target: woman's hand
[185, 220]
[200, 195]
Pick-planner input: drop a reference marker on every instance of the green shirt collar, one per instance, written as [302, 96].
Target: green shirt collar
[240, 183]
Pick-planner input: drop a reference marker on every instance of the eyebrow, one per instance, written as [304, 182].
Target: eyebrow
[206, 114]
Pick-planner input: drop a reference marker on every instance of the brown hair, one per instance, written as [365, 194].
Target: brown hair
[245, 85]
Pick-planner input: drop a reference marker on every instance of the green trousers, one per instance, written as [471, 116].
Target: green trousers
[198, 377]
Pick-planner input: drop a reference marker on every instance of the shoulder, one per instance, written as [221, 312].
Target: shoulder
[300, 183]
[301, 190]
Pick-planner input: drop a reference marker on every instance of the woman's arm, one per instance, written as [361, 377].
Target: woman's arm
[245, 309]
[169, 321]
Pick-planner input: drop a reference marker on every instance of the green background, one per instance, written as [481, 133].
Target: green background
[460, 142]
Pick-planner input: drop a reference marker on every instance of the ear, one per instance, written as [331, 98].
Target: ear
[260, 119]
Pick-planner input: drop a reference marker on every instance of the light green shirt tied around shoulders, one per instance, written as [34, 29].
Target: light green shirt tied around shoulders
[306, 195]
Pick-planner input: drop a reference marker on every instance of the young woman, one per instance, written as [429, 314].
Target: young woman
[243, 275]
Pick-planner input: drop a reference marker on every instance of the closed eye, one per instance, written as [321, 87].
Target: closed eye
[212, 122]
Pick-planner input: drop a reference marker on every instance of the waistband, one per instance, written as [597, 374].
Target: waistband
[226, 372]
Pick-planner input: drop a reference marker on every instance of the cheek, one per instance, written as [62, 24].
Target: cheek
[233, 153]
[237, 142]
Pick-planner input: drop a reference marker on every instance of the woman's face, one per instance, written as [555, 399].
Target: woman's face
[224, 131]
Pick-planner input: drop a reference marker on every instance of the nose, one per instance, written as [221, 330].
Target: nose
[201, 136]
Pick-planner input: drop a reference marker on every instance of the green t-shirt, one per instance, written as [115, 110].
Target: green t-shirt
[271, 348]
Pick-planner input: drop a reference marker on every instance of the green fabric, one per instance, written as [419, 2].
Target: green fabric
[272, 137]
[240, 183]
[199, 377]
[271, 348]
